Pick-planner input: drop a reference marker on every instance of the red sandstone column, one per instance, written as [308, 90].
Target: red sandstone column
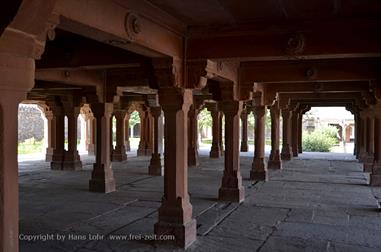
[259, 169]
[193, 159]
[221, 134]
[149, 134]
[274, 159]
[90, 125]
[59, 150]
[72, 160]
[286, 143]
[102, 177]
[369, 159]
[295, 133]
[356, 128]
[364, 134]
[127, 132]
[215, 151]
[375, 176]
[119, 153]
[175, 212]
[155, 168]
[244, 145]
[142, 143]
[51, 135]
[300, 133]
[358, 135]
[231, 188]
[16, 78]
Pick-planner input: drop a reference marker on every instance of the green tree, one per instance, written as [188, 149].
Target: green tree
[204, 120]
[134, 119]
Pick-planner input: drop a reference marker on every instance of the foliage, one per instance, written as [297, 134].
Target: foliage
[134, 119]
[30, 146]
[204, 119]
[321, 140]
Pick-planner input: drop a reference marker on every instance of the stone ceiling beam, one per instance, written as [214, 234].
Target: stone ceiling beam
[310, 70]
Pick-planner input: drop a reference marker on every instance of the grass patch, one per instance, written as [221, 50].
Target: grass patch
[30, 146]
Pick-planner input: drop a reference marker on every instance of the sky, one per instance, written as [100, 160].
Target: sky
[331, 112]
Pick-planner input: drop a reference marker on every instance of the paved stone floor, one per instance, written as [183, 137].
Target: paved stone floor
[318, 202]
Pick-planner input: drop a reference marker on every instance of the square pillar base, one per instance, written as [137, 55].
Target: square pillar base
[375, 180]
[231, 194]
[244, 147]
[274, 164]
[155, 168]
[49, 154]
[286, 156]
[102, 186]
[259, 175]
[72, 165]
[185, 234]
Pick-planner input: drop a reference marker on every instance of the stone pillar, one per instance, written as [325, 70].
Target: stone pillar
[83, 142]
[286, 143]
[215, 151]
[127, 132]
[149, 135]
[193, 159]
[91, 135]
[119, 152]
[72, 160]
[143, 125]
[259, 169]
[17, 78]
[231, 187]
[274, 159]
[295, 133]
[51, 135]
[369, 158]
[356, 128]
[363, 138]
[102, 177]
[175, 212]
[375, 176]
[358, 135]
[300, 133]
[59, 149]
[221, 134]
[244, 145]
[155, 168]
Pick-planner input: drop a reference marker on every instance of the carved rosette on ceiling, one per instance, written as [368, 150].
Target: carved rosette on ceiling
[311, 73]
[295, 44]
[132, 25]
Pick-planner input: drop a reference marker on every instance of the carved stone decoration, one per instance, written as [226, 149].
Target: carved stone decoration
[132, 25]
[295, 44]
[220, 66]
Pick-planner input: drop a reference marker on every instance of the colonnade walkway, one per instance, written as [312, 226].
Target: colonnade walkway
[317, 202]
